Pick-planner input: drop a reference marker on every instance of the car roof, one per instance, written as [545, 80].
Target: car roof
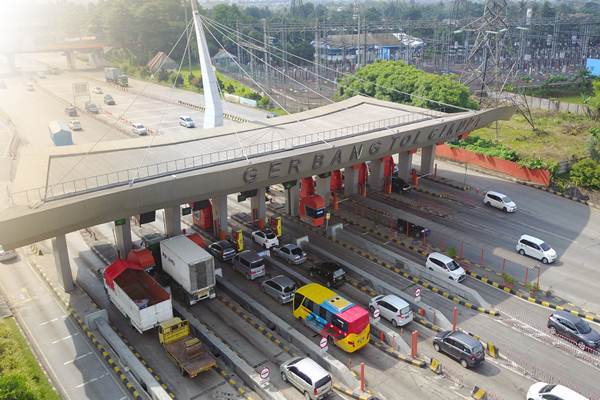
[291, 246]
[442, 257]
[224, 243]
[250, 255]
[567, 315]
[395, 300]
[496, 193]
[532, 239]
[282, 280]
[312, 369]
[329, 266]
[565, 393]
[185, 117]
[464, 338]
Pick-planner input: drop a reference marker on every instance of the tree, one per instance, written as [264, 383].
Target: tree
[594, 144]
[547, 10]
[586, 173]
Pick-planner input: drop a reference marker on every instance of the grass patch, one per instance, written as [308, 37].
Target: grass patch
[560, 136]
[573, 99]
[20, 374]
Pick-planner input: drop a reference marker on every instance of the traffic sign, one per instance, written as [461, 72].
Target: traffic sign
[264, 373]
[323, 343]
[418, 292]
[376, 313]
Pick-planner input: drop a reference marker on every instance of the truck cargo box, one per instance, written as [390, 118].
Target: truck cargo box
[60, 133]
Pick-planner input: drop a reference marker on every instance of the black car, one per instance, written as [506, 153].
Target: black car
[574, 329]
[463, 348]
[222, 249]
[399, 185]
[410, 229]
[329, 273]
[108, 100]
[71, 111]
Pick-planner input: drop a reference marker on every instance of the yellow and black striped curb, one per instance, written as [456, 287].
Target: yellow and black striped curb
[427, 324]
[447, 182]
[241, 389]
[350, 393]
[431, 193]
[435, 366]
[390, 352]
[99, 346]
[417, 280]
[259, 327]
[197, 107]
[478, 393]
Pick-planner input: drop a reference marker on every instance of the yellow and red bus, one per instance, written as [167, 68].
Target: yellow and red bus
[332, 316]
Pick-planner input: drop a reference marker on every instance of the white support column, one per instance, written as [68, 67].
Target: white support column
[61, 261]
[323, 188]
[350, 181]
[427, 159]
[258, 206]
[219, 207]
[292, 197]
[173, 221]
[123, 238]
[376, 178]
[405, 165]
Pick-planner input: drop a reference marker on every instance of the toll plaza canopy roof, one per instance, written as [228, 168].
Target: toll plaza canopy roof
[59, 190]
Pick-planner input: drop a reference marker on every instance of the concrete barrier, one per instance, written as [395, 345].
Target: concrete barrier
[229, 357]
[289, 333]
[412, 267]
[378, 284]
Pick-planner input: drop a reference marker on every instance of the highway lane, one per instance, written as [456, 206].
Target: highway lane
[75, 368]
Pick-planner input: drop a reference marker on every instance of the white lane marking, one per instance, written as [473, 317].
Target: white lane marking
[65, 338]
[62, 317]
[91, 380]
[77, 358]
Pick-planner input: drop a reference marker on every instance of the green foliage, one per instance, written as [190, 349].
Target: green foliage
[508, 279]
[14, 387]
[402, 83]
[586, 174]
[263, 102]
[538, 163]
[594, 143]
[451, 252]
[486, 147]
[176, 79]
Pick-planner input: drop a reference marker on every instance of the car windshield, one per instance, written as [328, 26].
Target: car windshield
[583, 327]
[507, 199]
[338, 273]
[256, 264]
[453, 265]
[323, 381]
[289, 289]
[545, 246]
[270, 235]
[297, 251]
[187, 119]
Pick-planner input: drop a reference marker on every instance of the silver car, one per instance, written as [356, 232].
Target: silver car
[280, 287]
[7, 255]
[312, 380]
[291, 253]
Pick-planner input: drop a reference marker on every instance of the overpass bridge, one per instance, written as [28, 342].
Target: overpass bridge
[61, 190]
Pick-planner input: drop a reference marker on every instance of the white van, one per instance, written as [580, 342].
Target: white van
[499, 200]
[536, 248]
[307, 376]
[446, 266]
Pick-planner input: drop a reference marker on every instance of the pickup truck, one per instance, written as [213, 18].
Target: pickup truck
[187, 351]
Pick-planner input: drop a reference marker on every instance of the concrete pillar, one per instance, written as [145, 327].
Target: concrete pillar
[405, 165]
[427, 159]
[70, 60]
[376, 177]
[258, 206]
[219, 207]
[173, 221]
[123, 238]
[292, 197]
[61, 260]
[323, 188]
[350, 181]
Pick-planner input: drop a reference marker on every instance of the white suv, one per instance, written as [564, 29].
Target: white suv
[392, 308]
[186, 121]
[267, 239]
[444, 265]
[139, 129]
[499, 200]
[536, 248]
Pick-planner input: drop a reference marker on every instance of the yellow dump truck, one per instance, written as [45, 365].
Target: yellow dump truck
[189, 353]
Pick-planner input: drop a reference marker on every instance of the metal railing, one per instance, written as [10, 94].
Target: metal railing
[158, 170]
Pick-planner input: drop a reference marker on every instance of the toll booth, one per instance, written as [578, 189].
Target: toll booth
[202, 215]
[275, 224]
[336, 182]
[312, 210]
[363, 173]
[237, 238]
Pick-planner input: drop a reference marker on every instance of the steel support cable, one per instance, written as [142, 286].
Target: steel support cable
[346, 74]
[113, 124]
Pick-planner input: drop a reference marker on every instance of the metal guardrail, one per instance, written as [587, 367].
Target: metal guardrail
[158, 170]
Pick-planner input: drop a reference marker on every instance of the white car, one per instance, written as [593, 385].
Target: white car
[139, 129]
[75, 125]
[267, 239]
[186, 122]
[392, 308]
[446, 266]
[97, 90]
[546, 391]
[499, 200]
[536, 248]
[7, 255]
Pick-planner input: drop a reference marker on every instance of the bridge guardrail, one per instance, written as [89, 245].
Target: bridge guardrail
[157, 170]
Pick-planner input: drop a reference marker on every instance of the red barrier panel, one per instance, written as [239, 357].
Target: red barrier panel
[541, 176]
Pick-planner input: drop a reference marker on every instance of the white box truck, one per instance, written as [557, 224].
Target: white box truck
[136, 295]
[190, 266]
